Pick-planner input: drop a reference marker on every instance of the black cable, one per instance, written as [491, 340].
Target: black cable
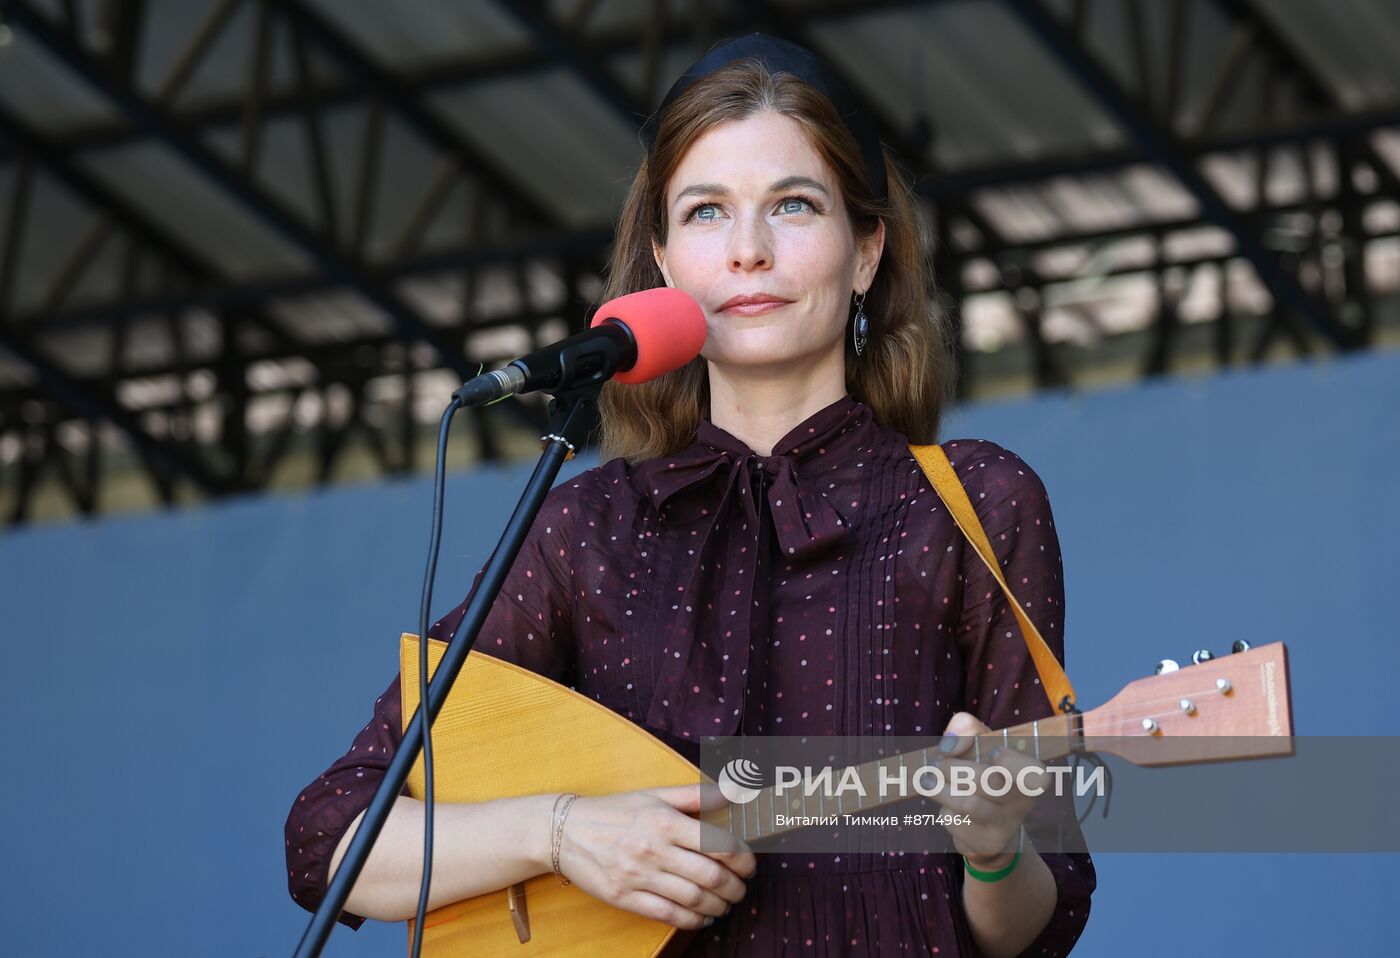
[439, 487]
[1094, 760]
[569, 412]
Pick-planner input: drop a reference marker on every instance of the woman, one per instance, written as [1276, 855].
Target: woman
[760, 554]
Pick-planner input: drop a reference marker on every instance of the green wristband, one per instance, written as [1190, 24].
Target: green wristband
[997, 875]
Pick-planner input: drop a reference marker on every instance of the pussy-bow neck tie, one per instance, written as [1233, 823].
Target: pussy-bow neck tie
[738, 507]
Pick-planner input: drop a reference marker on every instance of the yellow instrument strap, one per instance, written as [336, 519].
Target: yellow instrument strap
[934, 461]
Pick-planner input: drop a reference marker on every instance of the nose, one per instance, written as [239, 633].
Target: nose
[750, 244]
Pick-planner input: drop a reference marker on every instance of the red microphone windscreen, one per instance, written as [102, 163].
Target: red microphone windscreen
[668, 325]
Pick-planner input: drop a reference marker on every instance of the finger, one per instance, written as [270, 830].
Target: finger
[705, 872]
[742, 863]
[700, 797]
[974, 808]
[1011, 758]
[959, 733]
[717, 842]
[686, 893]
[659, 908]
[1005, 776]
[983, 828]
[1029, 776]
[962, 777]
[965, 723]
[740, 860]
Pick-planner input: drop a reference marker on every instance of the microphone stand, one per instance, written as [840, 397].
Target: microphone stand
[570, 414]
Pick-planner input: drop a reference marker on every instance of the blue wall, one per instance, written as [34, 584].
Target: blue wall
[211, 661]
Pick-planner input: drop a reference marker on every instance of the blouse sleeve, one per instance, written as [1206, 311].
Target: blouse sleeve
[1002, 687]
[530, 624]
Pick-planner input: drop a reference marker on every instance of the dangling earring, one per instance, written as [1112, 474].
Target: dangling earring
[860, 327]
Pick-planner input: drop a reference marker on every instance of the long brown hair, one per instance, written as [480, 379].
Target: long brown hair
[905, 374]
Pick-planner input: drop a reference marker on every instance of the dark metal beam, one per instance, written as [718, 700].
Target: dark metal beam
[1158, 144]
[21, 190]
[331, 357]
[958, 182]
[410, 105]
[532, 15]
[137, 224]
[121, 23]
[507, 63]
[319, 165]
[1291, 57]
[219, 113]
[218, 295]
[88, 400]
[159, 123]
[253, 98]
[96, 398]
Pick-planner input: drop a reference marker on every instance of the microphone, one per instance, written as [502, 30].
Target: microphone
[633, 339]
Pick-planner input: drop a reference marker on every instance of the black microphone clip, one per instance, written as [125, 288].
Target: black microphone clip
[584, 359]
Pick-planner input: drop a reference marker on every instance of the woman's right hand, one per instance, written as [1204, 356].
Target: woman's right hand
[643, 851]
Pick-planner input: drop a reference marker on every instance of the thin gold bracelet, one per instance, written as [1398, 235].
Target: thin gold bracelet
[559, 816]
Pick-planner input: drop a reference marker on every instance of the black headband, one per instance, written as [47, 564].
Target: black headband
[780, 56]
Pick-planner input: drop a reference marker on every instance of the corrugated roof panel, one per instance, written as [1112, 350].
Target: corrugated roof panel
[15, 373]
[284, 170]
[607, 14]
[1352, 44]
[1201, 299]
[332, 317]
[1156, 193]
[630, 70]
[1089, 203]
[948, 62]
[990, 91]
[1017, 213]
[57, 221]
[42, 91]
[1232, 175]
[1387, 144]
[1383, 264]
[573, 150]
[1061, 260]
[407, 167]
[190, 206]
[990, 321]
[1200, 242]
[410, 36]
[171, 25]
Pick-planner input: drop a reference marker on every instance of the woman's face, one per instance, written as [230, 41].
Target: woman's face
[757, 233]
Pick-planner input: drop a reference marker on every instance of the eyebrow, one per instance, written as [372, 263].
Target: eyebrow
[786, 183]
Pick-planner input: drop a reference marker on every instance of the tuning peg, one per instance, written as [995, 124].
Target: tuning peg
[1202, 655]
[1240, 645]
[1166, 665]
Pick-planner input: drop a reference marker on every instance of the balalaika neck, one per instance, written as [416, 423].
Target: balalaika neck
[769, 814]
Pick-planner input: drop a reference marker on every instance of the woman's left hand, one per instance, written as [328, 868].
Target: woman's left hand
[991, 833]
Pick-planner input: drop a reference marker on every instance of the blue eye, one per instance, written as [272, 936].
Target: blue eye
[794, 204]
[702, 212]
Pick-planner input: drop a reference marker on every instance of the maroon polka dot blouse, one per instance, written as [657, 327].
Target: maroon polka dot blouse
[823, 590]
